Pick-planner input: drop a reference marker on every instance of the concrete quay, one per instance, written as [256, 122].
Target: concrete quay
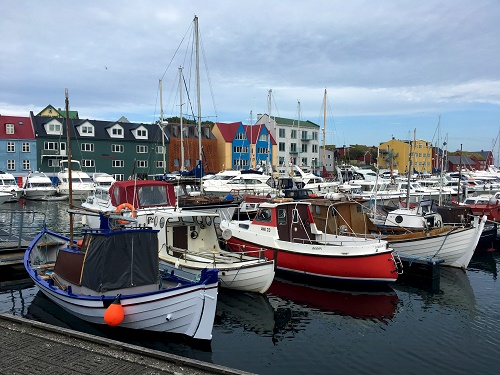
[31, 347]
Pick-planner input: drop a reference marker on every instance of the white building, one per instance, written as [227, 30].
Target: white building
[297, 142]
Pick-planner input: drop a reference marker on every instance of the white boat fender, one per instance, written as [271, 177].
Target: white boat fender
[227, 234]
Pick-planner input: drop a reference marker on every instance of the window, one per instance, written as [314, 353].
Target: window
[26, 147]
[117, 163]
[264, 137]
[188, 162]
[118, 176]
[281, 160]
[281, 146]
[282, 216]
[116, 148]
[88, 147]
[160, 149]
[176, 162]
[159, 164]
[142, 163]
[304, 161]
[89, 163]
[293, 147]
[11, 165]
[240, 136]
[304, 134]
[52, 163]
[294, 134]
[87, 130]
[282, 133]
[315, 136]
[11, 147]
[142, 133]
[314, 148]
[262, 150]
[117, 132]
[240, 149]
[9, 128]
[304, 147]
[54, 128]
[264, 215]
[54, 146]
[26, 165]
[140, 149]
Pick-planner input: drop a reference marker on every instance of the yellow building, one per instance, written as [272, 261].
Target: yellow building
[395, 154]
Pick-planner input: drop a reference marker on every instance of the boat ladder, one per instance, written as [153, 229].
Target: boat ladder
[398, 263]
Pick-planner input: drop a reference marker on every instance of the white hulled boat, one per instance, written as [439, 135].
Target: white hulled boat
[38, 186]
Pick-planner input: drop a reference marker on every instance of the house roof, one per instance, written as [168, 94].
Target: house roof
[22, 127]
[254, 131]
[228, 130]
[62, 113]
[293, 122]
[100, 128]
[465, 160]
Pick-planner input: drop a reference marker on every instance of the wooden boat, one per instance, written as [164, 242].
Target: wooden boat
[453, 245]
[188, 242]
[113, 278]
[287, 233]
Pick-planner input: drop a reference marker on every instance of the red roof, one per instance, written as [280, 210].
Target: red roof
[253, 132]
[23, 129]
[228, 130]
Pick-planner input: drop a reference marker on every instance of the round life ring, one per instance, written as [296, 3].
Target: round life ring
[439, 224]
[129, 207]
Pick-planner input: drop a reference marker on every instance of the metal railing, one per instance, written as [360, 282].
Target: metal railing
[18, 228]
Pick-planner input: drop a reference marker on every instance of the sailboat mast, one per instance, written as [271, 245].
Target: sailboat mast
[70, 176]
[180, 116]
[162, 128]
[324, 132]
[269, 126]
[298, 135]
[197, 41]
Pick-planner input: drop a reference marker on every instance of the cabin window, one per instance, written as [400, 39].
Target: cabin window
[399, 219]
[153, 195]
[295, 215]
[317, 209]
[264, 215]
[282, 216]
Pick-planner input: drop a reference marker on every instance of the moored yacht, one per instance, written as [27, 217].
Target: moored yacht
[9, 185]
[38, 186]
[82, 184]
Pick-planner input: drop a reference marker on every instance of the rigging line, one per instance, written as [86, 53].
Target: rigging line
[178, 47]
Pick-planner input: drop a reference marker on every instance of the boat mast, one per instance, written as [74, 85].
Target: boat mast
[180, 116]
[70, 176]
[298, 135]
[324, 132]
[162, 125]
[269, 126]
[251, 138]
[197, 41]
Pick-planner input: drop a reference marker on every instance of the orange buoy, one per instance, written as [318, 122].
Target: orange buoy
[114, 313]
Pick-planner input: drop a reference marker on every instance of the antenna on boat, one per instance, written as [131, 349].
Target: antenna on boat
[70, 177]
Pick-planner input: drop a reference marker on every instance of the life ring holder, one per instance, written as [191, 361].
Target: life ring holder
[128, 206]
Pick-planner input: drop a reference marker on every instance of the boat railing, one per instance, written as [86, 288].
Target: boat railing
[18, 228]
[214, 256]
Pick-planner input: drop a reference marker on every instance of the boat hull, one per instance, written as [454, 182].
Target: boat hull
[454, 248]
[247, 276]
[377, 267]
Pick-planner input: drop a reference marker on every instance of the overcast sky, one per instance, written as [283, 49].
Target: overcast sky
[389, 67]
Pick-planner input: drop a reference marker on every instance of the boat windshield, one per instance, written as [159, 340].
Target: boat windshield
[153, 195]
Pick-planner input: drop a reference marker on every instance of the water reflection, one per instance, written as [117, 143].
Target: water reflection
[380, 304]
[485, 261]
[455, 291]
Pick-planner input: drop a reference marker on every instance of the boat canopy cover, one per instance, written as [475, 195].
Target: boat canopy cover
[120, 259]
[140, 193]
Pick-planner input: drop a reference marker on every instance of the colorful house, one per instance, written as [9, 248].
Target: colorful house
[17, 145]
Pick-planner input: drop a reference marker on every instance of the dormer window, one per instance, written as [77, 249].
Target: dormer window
[86, 130]
[116, 131]
[9, 128]
[54, 127]
[141, 133]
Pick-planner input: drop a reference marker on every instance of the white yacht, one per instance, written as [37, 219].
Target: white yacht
[82, 184]
[103, 179]
[9, 185]
[251, 183]
[38, 186]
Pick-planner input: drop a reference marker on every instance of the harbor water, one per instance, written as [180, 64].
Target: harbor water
[411, 328]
